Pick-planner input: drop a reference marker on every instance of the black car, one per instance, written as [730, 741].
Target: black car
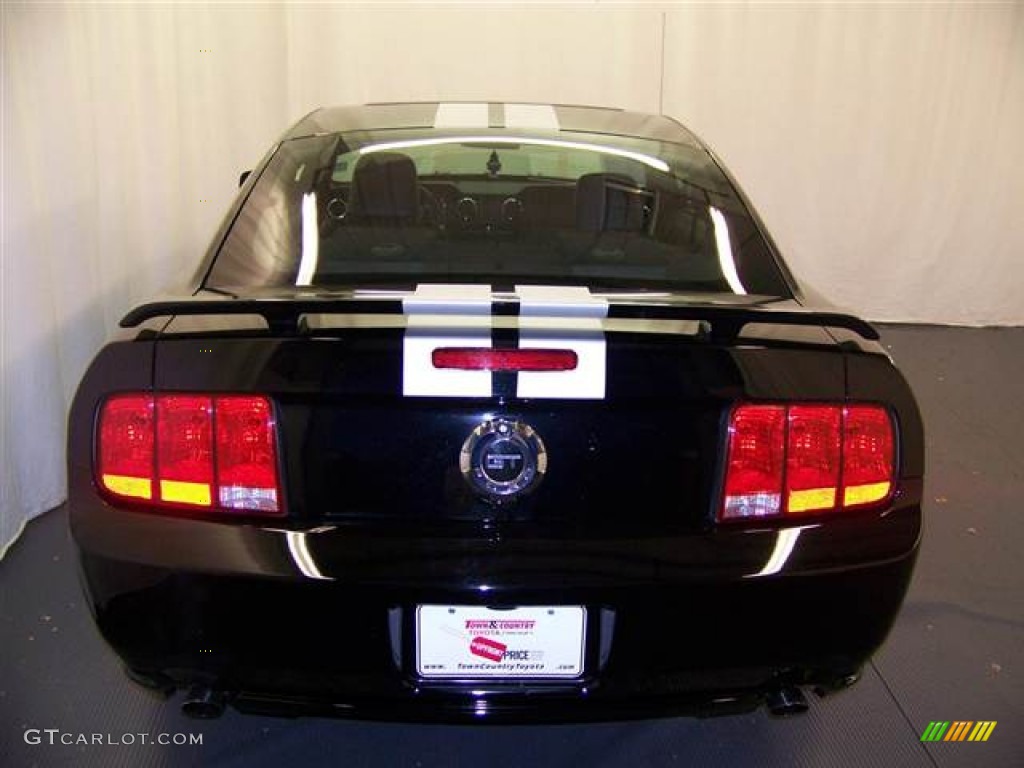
[493, 412]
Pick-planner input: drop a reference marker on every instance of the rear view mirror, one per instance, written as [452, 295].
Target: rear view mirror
[243, 177]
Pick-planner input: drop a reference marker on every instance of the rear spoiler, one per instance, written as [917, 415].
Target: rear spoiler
[285, 315]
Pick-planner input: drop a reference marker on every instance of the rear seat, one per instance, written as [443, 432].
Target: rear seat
[383, 218]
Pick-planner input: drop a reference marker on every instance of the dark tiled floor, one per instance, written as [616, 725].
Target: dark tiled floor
[956, 652]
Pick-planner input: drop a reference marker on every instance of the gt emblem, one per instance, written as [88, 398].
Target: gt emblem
[497, 461]
[503, 459]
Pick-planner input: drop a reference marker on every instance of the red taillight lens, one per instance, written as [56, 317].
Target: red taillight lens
[186, 450]
[812, 458]
[488, 359]
[184, 439]
[246, 454]
[868, 455]
[753, 480]
[799, 459]
[124, 455]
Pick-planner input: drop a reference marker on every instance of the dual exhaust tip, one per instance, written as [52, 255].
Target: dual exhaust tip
[785, 702]
[203, 703]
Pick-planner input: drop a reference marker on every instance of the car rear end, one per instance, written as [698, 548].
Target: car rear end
[522, 499]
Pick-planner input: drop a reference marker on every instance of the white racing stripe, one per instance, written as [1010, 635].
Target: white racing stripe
[458, 115]
[448, 299]
[422, 336]
[587, 380]
[540, 116]
[461, 316]
[559, 301]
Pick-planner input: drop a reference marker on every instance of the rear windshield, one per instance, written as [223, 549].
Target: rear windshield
[400, 207]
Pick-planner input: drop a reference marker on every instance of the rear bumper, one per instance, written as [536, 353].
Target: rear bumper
[323, 621]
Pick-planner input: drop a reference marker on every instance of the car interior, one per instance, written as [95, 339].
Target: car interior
[385, 217]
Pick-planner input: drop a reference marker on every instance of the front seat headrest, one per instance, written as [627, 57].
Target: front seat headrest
[604, 201]
[385, 186]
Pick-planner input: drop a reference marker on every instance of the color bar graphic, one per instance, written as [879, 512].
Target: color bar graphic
[982, 730]
[958, 730]
[935, 731]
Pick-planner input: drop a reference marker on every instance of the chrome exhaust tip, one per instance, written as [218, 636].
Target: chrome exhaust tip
[785, 702]
[203, 703]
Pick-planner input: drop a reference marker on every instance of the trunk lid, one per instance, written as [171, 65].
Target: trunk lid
[370, 431]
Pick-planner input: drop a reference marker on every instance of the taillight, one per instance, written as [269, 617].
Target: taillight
[812, 458]
[792, 460]
[246, 454]
[125, 455]
[753, 484]
[184, 449]
[215, 452]
[868, 454]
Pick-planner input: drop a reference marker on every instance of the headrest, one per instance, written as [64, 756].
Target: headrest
[384, 185]
[603, 203]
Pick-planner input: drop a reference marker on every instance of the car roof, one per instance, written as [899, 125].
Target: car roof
[482, 116]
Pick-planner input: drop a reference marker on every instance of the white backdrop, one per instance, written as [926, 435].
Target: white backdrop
[881, 143]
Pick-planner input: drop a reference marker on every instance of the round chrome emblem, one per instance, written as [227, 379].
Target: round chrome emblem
[503, 459]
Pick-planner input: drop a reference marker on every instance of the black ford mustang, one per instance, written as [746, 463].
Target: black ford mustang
[491, 412]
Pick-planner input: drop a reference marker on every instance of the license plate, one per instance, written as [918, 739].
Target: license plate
[461, 641]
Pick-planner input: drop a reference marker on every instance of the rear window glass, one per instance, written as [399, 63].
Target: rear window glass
[472, 159]
[401, 207]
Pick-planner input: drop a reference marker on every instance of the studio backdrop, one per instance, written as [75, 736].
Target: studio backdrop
[881, 144]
